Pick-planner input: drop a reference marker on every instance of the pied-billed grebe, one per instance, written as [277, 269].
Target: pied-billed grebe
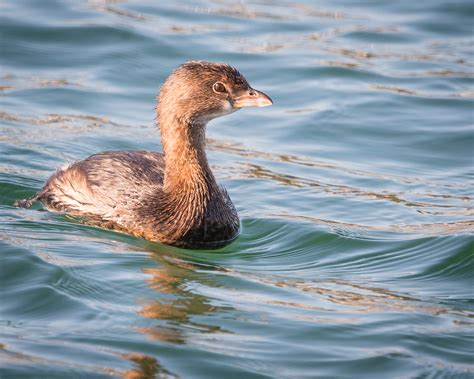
[172, 197]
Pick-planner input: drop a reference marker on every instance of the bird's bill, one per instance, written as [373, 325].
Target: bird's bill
[252, 98]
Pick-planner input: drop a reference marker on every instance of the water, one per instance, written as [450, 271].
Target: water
[354, 190]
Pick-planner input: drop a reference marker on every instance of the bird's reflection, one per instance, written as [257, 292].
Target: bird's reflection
[174, 311]
[146, 367]
[178, 304]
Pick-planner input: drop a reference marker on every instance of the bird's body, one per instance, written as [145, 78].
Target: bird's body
[172, 197]
[123, 190]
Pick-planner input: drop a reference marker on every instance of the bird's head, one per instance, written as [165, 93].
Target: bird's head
[198, 91]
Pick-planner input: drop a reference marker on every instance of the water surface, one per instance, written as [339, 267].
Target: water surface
[354, 190]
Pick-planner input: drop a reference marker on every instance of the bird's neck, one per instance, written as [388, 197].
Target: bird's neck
[186, 166]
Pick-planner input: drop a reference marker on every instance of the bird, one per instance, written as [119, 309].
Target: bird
[170, 197]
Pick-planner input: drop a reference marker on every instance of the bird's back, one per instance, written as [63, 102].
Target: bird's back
[107, 186]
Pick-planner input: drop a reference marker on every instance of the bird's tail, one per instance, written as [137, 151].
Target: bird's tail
[28, 202]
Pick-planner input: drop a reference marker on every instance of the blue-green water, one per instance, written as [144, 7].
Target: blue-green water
[355, 192]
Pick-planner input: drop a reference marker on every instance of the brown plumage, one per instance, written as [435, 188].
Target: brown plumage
[171, 197]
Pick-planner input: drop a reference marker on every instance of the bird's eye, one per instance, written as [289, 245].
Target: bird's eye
[218, 87]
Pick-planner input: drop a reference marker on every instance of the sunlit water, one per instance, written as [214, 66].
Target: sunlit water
[354, 190]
